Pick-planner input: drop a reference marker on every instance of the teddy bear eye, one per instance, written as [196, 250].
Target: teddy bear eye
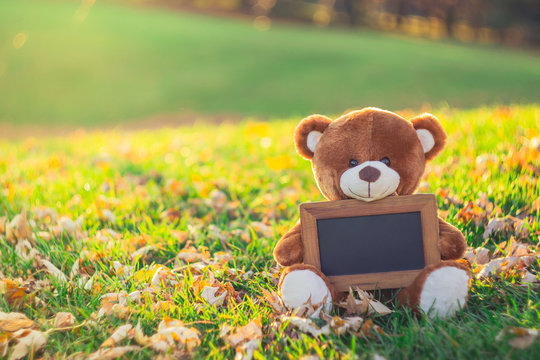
[353, 163]
[385, 161]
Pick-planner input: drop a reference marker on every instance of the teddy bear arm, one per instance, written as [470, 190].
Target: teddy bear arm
[452, 244]
[289, 249]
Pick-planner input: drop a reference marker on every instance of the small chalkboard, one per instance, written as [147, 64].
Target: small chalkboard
[381, 244]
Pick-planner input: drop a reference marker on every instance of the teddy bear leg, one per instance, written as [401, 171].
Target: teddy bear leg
[304, 287]
[440, 290]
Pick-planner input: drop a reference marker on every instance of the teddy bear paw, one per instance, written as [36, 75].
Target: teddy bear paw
[306, 292]
[444, 292]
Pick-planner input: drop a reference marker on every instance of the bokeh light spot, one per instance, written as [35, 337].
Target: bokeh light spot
[262, 23]
[322, 17]
[19, 40]
[266, 142]
[84, 9]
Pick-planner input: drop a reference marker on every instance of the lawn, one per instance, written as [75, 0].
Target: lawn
[117, 63]
[185, 220]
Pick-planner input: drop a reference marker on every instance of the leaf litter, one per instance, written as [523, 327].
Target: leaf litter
[215, 283]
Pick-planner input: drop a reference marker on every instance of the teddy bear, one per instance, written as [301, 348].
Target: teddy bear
[367, 155]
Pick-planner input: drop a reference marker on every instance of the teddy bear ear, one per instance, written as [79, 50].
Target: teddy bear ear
[430, 133]
[307, 134]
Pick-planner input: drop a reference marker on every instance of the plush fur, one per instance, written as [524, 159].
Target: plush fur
[289, 250]
[367, 155]
[412, 295]
[303, 285]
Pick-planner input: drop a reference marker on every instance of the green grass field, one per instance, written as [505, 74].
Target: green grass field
[221, 197]
[125, 63]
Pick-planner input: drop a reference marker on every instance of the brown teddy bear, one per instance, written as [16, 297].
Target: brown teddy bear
[367, 155]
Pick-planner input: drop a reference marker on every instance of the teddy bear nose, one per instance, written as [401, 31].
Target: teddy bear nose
[369, 174]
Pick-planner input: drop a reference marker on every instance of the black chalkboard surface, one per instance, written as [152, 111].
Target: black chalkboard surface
[382, 244]
[375, 243]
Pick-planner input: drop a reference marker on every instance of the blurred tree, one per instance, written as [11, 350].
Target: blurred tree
[511, 21]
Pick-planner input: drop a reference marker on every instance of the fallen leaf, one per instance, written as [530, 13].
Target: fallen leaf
[482, 256]
[107, 215]
[3, 224]
[172, 334]
[262, 229]
[493, 227]
[520, 337]
[246, 350]
[112, 353]
[18, 229]
[209, 294]
[4, 342]
[524, 339]
[305, 325]
[67, 226]
[355, 306]
[139, 336]
[124, 271]
[243, 234]
[118, 335]
[340, 325]
[529, 278]
[26, 341]
[11, 322]
[495, 266]
[248, 332]
[45, 214]
[164, 276]
[375, 306]
[51, 269]
[369, 329]
[142, 252]
[64, 320]
[217, 200]
[275, 302]
[190, 254]
[521, 229]
[171, 215]
[366, 303]
[16, 295]
[116, 304]
[179, 236]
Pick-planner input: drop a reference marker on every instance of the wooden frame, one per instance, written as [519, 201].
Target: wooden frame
[423, 203]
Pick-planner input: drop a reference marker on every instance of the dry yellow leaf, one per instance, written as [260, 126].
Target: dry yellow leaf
[521, 338]
[275, 302]
[305, 325]
[63, 320]
[353, 305]
[250, 331]
[16, 295]
[18, 229]
[369, 329]
[121, 333]
[172, 334]
[11, 322]
[4, 342]
[26, 341]
[112, 353]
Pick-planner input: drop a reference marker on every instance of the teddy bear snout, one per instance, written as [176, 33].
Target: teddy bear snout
[373, 181]
[369, 174]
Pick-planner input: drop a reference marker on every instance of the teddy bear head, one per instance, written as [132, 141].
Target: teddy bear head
[370, 153]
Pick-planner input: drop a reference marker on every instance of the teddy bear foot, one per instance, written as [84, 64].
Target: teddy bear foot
[305, 289]
[440, 290]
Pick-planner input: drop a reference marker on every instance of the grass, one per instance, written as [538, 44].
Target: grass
[123, 63]
[139, 175]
